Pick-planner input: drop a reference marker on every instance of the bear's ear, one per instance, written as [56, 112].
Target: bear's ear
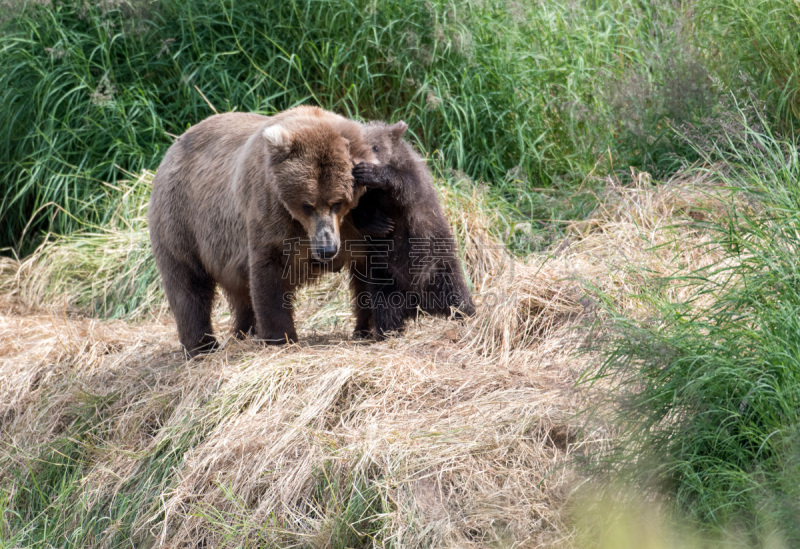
[278, 139]
[397, 130]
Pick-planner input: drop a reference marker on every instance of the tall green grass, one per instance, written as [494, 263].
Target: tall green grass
[760, 39]
[710, 411]
[524, 95]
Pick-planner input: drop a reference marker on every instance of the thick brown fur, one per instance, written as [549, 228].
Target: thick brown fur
[254, 204]
[417, 266]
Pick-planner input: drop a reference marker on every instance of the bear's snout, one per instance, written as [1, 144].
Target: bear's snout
[326, 251]
[325, 243]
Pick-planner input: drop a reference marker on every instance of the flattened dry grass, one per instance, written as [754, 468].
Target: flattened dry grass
[452, 449]
[455, 434]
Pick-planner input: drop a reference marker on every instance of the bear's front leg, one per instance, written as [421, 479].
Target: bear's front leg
[373, 176]
[361, 306]
[371, 221]
[388, 310]
[272, 297]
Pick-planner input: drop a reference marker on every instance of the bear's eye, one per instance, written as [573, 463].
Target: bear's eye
[336, 206]
[308, 209]
[374, 148]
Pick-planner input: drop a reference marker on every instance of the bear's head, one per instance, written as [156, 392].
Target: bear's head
[311, 166]
[360, 151]
[385, 141]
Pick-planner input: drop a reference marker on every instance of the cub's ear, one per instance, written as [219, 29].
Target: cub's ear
[278, 139]
[397, 130]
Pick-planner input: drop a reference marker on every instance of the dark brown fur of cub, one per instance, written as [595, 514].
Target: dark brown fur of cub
[422, 269]
[228, 196]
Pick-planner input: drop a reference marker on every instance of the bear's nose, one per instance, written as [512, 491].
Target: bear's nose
[327, 251]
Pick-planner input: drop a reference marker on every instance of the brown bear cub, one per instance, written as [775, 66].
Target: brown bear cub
[417, 266]
[254, 204]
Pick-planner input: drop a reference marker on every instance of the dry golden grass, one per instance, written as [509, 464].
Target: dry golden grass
[454, 434]
[107, 270]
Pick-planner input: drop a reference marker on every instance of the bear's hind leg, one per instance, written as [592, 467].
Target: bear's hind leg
[190, 291]
[361, 306]
[387, 316]
[456, 293]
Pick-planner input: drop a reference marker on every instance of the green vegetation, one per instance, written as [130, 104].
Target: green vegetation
[533, 102]
[762, 36]
[48, 498]
[711, 405]
[520, 95]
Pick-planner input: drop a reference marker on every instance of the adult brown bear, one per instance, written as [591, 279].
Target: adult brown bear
[416, 267]
[230, 194]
